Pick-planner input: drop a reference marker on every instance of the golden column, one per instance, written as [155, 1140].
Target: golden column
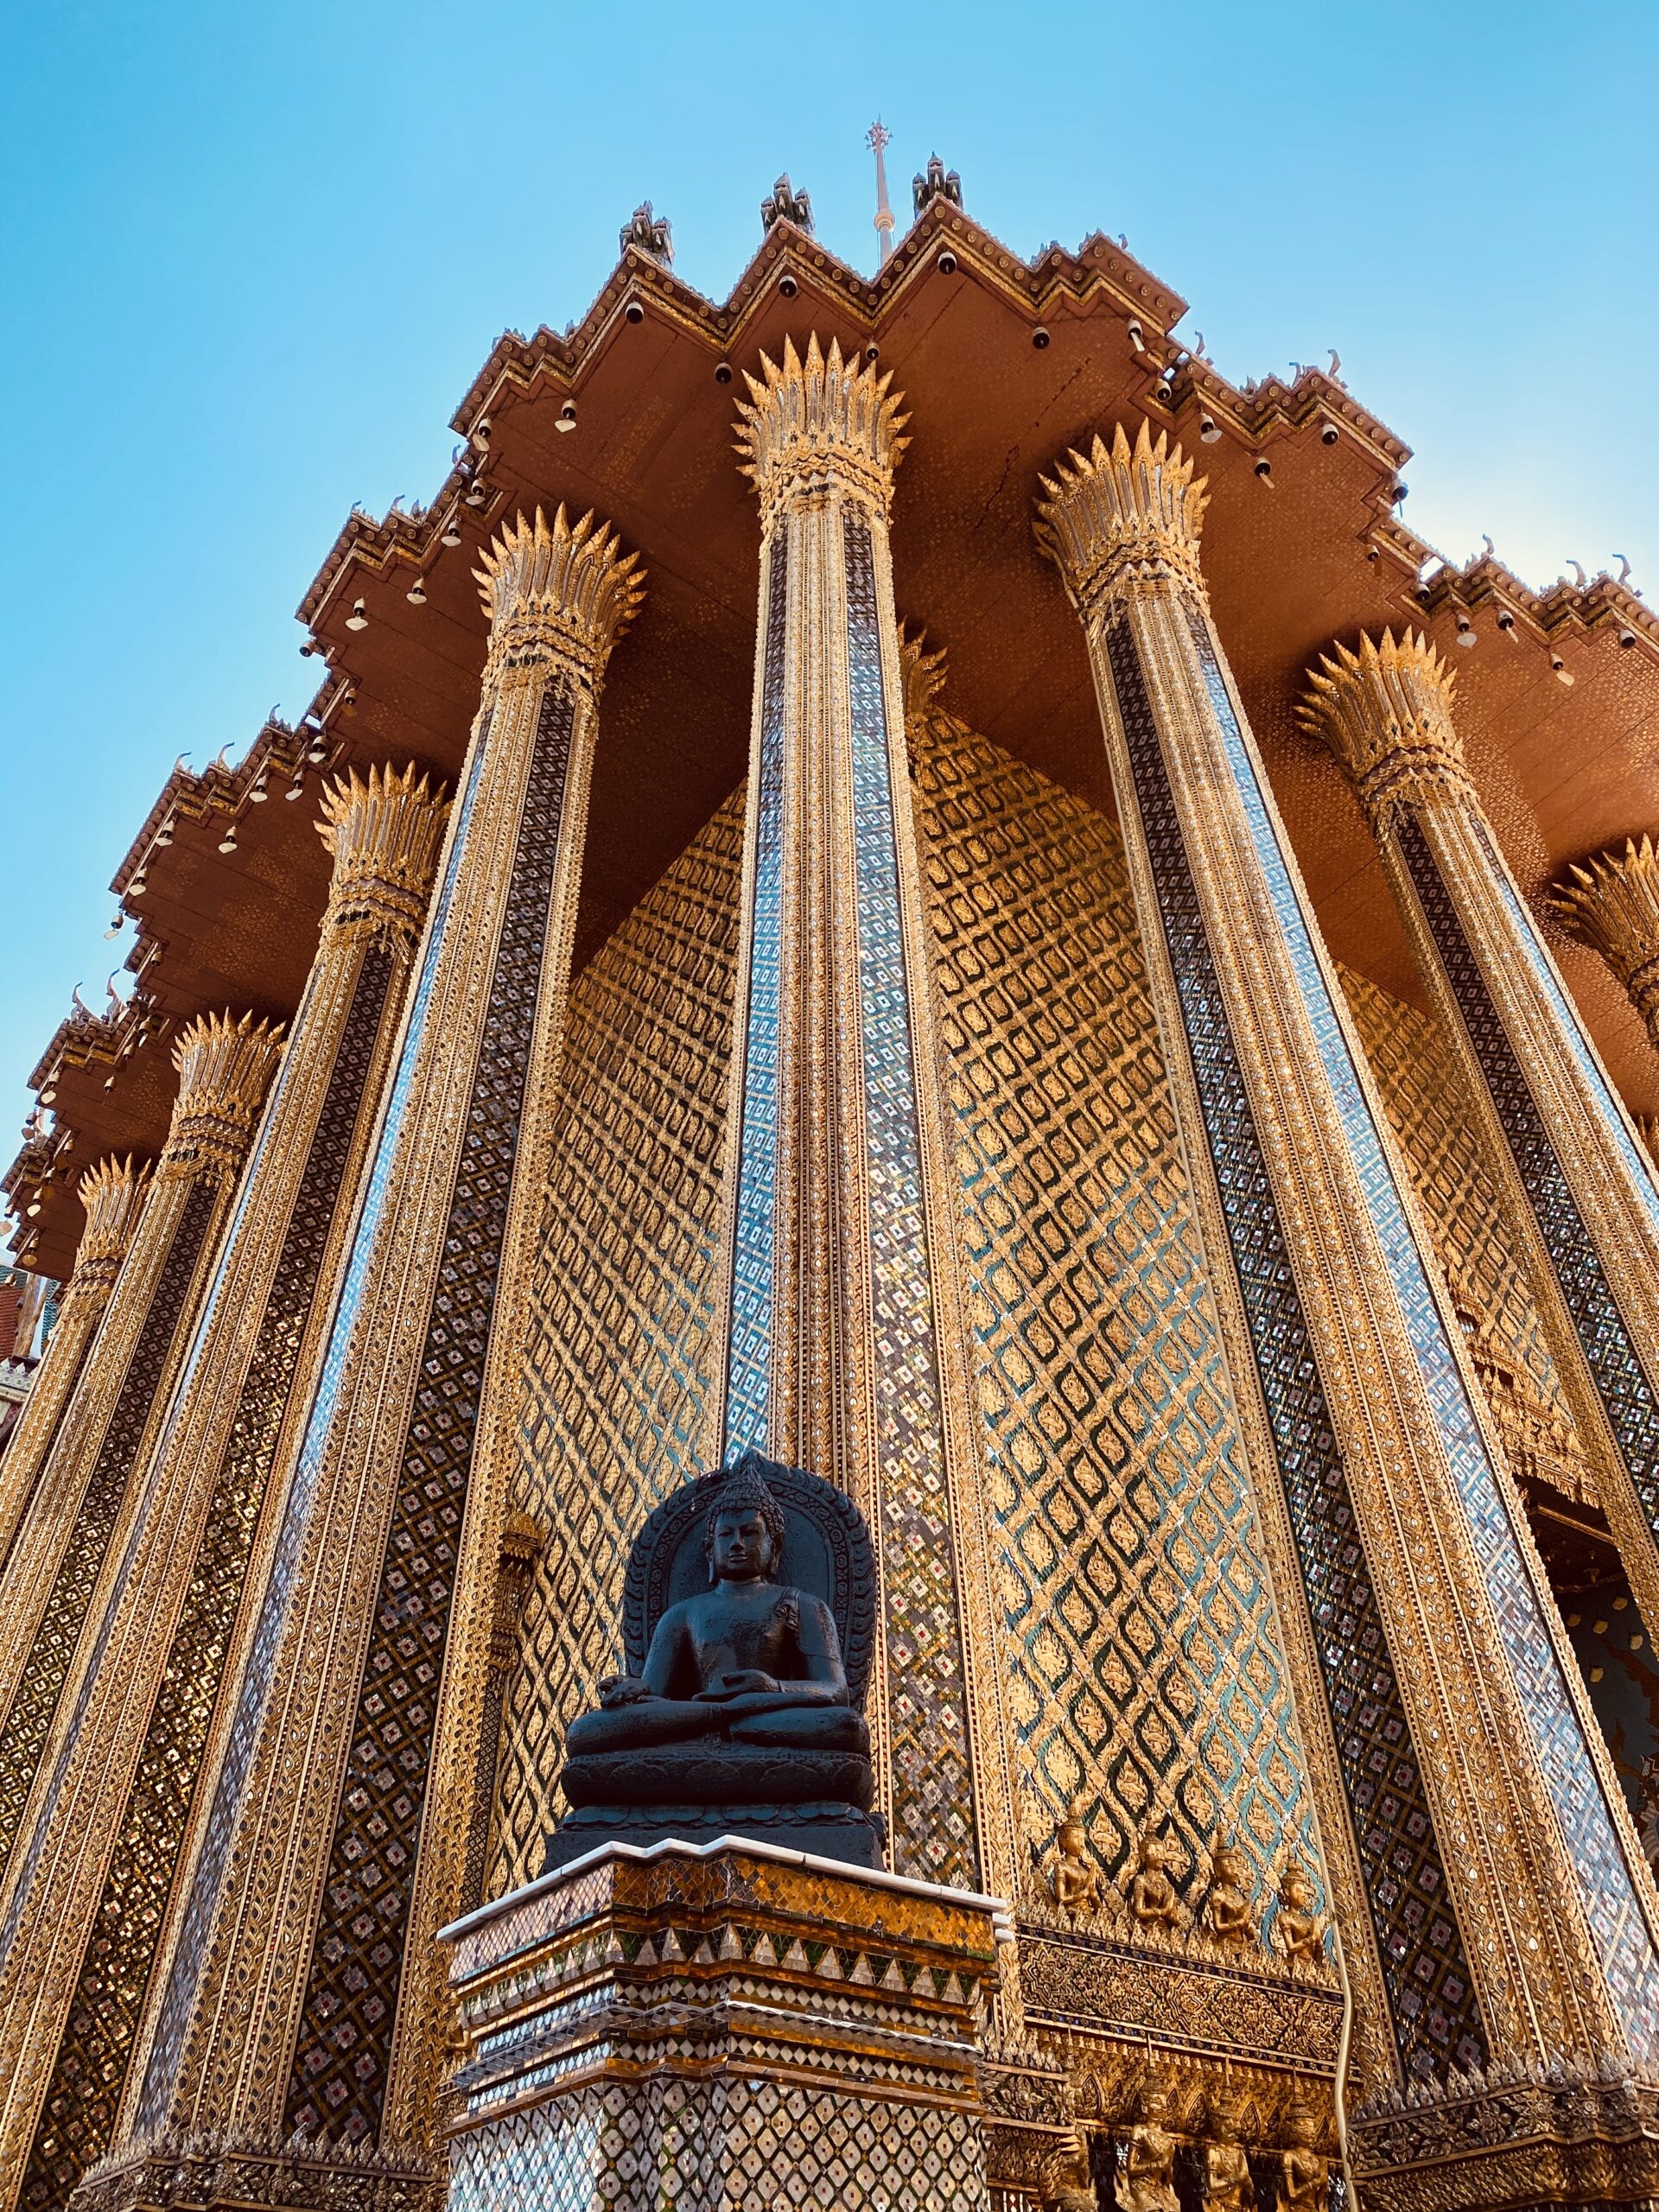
[845, 1349]
[113, 1195]
[1579, 1191]
[85, 1491]
[1495, 1910]
[1612, 903]
[88, 1896]
[299, 1989]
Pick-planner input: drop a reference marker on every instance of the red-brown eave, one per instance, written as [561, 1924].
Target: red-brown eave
[1321, 553]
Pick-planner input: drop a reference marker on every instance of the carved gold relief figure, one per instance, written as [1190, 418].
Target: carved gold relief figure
[1066, 2183]
[1076, 1878]
[1305, 2183]
[1147, 2183]
[1298, 1929]
[1226, 1913]
[1151, 1896]
[1226, 2165]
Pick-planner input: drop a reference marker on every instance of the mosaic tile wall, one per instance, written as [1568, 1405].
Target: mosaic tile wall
[1421, 1092]
[933, 1825]
[40, 1685]
[1140, 1676]
[1099, 1362]
[1631, 1404]
[190, 1952]
[78, 2115]
[623, 1300]
[748, 1366]
[749, 2146]
[342, 2055]
[1434, 2013]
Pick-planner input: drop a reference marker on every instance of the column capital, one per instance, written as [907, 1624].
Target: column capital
[384, 830]
[1121, 516]
[1611, 902]
[558, 592]
[820, 425]
[113, 1194]
[224, 1067]
[1385, 711]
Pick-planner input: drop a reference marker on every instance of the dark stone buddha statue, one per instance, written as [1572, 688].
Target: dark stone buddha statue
[741, 1718]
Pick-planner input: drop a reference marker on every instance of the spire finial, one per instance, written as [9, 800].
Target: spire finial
[877, 138]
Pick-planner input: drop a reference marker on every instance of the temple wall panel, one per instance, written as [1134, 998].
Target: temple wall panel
[1137, 1649]
[1423, 1097]
[623, 1301]
[1143, 1676]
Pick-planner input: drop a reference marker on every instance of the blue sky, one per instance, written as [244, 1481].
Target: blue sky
[251, 258]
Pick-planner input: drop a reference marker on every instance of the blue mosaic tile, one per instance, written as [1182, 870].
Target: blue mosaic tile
[748, 1362]
[1433, 2011]
[1606, 1888]
[253, 1691]
[933, 1817]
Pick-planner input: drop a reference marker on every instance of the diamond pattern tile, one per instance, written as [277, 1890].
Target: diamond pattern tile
[748, 1367]
[933, 1782]
[1140, 1669]
[22, 1738]
[622, 1301]
[344, 2045]
[78, 2116]
[253, 1688]
[1434, 2013]
[1606, 1889]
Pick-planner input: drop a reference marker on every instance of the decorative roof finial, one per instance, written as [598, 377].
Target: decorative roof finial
[785, 205]
[936, 182]
[652, 233]
[877, 138]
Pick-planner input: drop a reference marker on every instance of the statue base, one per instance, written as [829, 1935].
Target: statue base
[829, 1829]
[723, 2027]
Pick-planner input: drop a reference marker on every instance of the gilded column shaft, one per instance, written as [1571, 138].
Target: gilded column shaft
[85, 1490]
[113, 1196]
[1579, 1191]
[845, 1347]
[296, 1990]
[1504, 1918]
[89, 1897]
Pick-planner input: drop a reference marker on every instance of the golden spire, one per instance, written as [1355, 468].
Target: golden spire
[559, 591]
[877, 138]
[1121, 514]
[819, 424]
[384, 832]
[1385, 711]
[1611, 902]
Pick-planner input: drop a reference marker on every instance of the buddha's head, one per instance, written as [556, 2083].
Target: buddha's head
[744, 1537]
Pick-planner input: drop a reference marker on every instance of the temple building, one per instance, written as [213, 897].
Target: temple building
[895, 879]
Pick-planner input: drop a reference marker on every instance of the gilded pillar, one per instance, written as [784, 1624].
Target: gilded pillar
[1494, 1911]
[1579, 1189]
[90, 1893]
[844, 1347]
[112, 1194]
[298, 1992]
[85, 1490]
[1612, 903]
